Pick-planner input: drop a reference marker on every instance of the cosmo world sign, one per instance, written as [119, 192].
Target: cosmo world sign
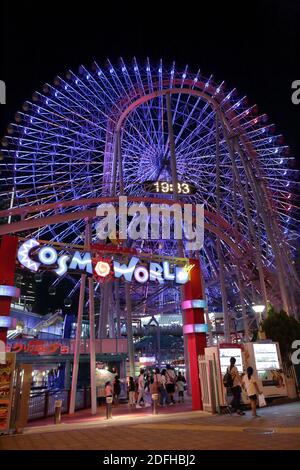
[36, 257]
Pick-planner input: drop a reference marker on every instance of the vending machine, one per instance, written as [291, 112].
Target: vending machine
[218, 358]
[265, 358]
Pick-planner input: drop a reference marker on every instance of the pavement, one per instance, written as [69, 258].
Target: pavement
[174, 428]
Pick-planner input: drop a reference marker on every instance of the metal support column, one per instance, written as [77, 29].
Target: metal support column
[77, 345]
[180, 245]
[127, 287]
[219, 247]
[92, 329]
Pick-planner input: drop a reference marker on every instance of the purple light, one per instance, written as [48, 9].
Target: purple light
[195, 303]
[9, 291]
[195, 328]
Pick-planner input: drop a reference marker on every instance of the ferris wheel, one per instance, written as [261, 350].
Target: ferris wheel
[104, 131]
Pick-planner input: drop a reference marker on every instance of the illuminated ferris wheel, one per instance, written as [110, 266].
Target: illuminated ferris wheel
[118, 129]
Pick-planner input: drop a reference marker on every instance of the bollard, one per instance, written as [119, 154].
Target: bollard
[154, 397]
[109, 401]
[57, 411]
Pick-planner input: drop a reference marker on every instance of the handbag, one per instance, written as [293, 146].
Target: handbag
[261, 400]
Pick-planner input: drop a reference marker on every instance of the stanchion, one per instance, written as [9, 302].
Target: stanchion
[154, 397]
[57, 411]
[109, 401]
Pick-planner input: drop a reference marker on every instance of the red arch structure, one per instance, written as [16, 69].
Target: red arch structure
[241, 249]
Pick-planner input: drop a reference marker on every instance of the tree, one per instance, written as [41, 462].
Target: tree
[283, 329]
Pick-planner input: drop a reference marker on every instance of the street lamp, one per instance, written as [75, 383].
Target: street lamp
[259, 309]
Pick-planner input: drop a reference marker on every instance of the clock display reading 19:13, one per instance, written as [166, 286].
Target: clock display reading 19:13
[167, 187]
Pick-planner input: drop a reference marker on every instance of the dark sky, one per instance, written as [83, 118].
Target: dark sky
[253, 46]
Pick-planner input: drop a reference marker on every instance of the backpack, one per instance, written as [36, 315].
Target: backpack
[227, 380]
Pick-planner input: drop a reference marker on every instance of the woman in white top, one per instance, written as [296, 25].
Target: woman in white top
[251, 389]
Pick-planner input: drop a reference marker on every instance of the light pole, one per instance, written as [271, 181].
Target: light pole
[259, 309]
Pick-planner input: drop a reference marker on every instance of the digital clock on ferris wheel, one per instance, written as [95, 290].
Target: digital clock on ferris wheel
[166, 187]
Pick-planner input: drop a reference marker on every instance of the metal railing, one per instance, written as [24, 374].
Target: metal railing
[41, 404]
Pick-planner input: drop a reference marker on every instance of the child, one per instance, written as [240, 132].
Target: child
[252, 390]
[180, 387]
[154, 394]
[109, 399]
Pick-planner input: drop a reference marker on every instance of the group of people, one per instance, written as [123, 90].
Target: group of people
[247, 382]
[160, 385]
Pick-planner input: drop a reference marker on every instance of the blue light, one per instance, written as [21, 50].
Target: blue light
[285, 172]
[184, 76]
[135, 69]
[281, 161]
[55, 96]
[66, 87]
[287, 184]
[111, 70]
[276, 150]
[76, 81]
[87, 77]
[99, 73]
[160, 70]
[123, 69]
[148, 69]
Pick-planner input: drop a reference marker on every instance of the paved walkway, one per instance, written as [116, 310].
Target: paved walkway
[278, 428]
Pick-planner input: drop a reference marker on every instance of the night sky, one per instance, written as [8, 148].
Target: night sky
[253, 46]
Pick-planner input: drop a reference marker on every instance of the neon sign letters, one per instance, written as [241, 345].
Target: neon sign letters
[34, 257]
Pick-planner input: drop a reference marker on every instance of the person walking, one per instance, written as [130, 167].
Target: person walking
[236, 388]
[170, 384]
[117, 389]
[163, 394]
[131, 392]
[141, 388]
[252, 390]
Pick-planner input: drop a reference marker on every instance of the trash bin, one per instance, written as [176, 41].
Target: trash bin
[57, 411]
